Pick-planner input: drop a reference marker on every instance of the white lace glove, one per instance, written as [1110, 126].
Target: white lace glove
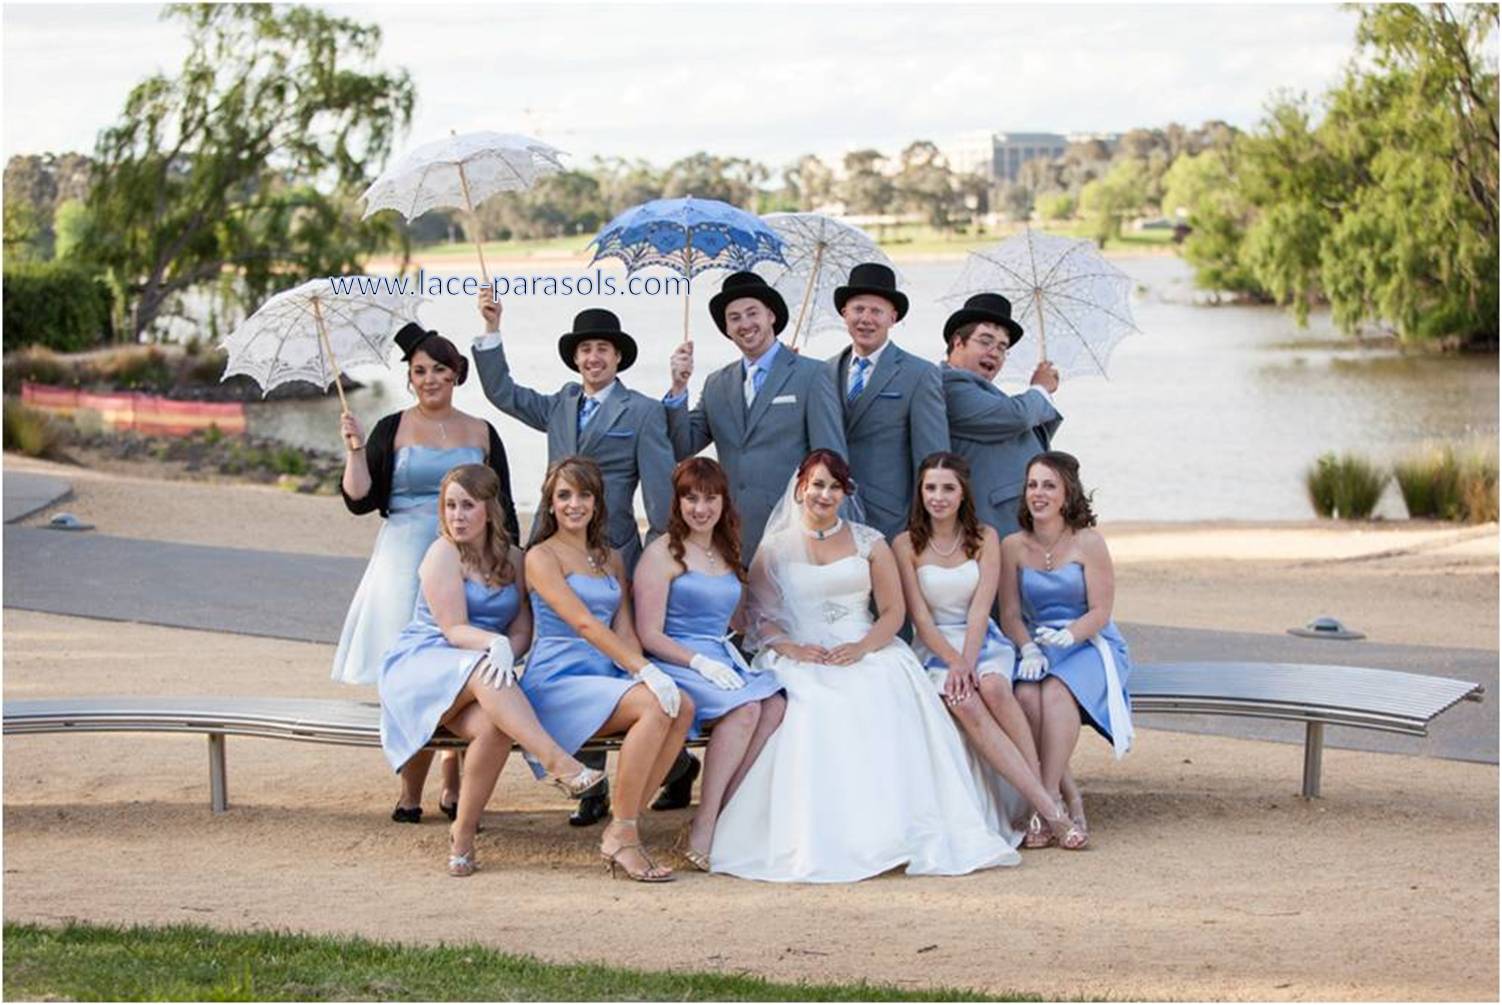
[717, 673]
[661, 686]
[1059, 638]
[500, 670]
[1032, 664]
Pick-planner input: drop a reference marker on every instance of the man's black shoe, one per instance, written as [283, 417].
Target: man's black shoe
[594, 806]
[678, 791]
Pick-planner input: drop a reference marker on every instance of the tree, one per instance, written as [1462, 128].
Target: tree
[249, 160]
[1201, 191]
[1056, 206]
[865, 189]
[808, 182]
[1109, 200]
[735, 180]
[926, 185]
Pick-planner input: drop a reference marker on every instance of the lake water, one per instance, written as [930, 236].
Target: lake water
[1213, 412]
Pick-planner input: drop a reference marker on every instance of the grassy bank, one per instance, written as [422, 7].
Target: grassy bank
[189, 962]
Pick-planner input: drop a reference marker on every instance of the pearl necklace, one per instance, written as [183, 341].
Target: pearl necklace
[1049, 549]
[819, 535]
[933, 543]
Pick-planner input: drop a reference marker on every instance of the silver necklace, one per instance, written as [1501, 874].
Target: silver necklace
[710, 557]
[819, 535]
[443, 433]
[1048, 549]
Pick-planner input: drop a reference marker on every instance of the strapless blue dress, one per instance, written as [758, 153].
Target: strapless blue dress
[573, 687]
[383, 603]
[1055, 599]
[422, 673]
[698, 617]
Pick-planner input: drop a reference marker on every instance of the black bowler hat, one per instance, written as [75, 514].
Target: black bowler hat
[992, 307]
[410, 337]
[596, 322]
[748, 284]
[875, 279]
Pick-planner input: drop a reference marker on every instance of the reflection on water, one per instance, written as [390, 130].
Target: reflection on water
[1211, 413]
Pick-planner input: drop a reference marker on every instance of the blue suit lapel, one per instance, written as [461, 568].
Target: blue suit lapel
[604, 416]
[886, 369]
[782, 369]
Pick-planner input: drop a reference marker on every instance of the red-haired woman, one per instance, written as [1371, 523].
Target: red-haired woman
[688, 587]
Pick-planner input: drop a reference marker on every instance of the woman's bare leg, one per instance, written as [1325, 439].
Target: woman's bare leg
[671, 745]
[414, 775]
[728, 745]
[996, 692]
[772, 711]
[1060, 733]
[998, 750]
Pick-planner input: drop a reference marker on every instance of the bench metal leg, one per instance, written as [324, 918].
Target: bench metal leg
[1314, 749]
[218, 795]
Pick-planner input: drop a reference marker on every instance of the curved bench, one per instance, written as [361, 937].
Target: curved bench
[1315, 694]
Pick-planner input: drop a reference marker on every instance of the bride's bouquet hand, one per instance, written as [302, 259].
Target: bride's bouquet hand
[849, 653]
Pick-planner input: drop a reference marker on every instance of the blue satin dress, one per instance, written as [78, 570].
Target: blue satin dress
[382, 604]
[422, 673]
[573, 687]
[1057, 598]
[698, 617]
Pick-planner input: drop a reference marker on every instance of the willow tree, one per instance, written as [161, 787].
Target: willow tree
[243, 169]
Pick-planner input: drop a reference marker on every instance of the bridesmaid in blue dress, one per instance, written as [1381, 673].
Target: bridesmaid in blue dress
[586, 675]
[454, 664]
[688, 588]
[1057, 587]
[397, 472]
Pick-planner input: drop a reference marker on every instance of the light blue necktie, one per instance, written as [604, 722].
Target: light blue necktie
[859, 384]
[587, 408]
[752, 386]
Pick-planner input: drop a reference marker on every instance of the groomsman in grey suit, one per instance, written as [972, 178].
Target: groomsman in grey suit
[996, 432]
[764, 413]
[622, 430]
[893, 400]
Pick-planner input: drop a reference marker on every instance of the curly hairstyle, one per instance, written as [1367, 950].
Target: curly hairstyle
[441, 350]
[705, 476]
[583, 475]
[1076, 510]
[920, 525]
[491, 557]
[837, 466]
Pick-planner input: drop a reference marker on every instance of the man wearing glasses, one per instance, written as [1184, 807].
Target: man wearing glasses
[996, 432]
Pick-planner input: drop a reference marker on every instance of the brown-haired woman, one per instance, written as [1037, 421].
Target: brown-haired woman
[1057, 587]
[688, 589]
[454, 664]
[949, 562]
[586, 675]
[398, 471]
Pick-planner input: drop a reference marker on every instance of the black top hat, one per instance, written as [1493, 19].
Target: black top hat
[410, 337]
[992, 307]
[875, 279]
[748, 284]
[596, 322]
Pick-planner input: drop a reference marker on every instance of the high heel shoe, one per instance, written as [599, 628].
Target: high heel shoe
[685, 849]
[576, 786]
[461, 865]
[1038, 834]
[407, 814]
[1067, 833]
[653, 873]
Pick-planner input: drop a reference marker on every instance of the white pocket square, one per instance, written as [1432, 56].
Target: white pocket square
[785, 399]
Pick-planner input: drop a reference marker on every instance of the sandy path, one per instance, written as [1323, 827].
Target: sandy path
[1208, 878]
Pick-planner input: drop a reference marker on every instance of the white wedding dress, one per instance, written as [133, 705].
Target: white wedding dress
[867, 772]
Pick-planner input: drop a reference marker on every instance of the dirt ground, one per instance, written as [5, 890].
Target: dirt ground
[1207, 876]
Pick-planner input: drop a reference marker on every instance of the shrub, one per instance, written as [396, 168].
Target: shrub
[57, 305]
[38, 365]
[136, 367]
[1478, 493]
[1430, 483]
[289, 461]
[1347, 486]
[31, 432]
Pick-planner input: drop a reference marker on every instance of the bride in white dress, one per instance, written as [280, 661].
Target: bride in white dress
[867, 772]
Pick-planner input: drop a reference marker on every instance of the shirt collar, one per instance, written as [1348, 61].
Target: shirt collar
[871, 358]
[599, 397]
[762, 362]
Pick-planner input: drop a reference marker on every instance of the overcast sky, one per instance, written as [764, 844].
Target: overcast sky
[757, 80]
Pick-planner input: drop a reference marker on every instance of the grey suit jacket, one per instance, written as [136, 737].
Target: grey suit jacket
[627, 437]
[896, 422]
[797, 410]
[997, 433]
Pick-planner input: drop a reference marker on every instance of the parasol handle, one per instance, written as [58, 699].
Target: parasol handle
[808, 291]
[688, 272]
[350, 442]
[474, 219]
[1042, 338]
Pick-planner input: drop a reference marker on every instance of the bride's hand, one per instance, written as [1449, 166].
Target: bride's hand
[801, 653]
[846, 654]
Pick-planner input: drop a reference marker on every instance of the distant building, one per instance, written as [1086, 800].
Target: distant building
[1000, 156]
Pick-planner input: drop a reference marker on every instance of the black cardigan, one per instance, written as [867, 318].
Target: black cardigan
[380, 460]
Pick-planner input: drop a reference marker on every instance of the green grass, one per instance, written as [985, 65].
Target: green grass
[190, 962]
[1449, 483]
[1347, 487]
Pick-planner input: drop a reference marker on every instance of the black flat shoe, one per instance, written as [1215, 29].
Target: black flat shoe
[407, 814]
[591, 810]
[450, 810]
[678, 791]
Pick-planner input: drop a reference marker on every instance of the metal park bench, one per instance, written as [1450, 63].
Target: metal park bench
[1316, 695]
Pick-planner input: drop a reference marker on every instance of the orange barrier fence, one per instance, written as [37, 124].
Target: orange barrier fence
[149, 414]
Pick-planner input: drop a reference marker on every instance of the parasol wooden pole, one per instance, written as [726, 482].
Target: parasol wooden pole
[352, 442]
[808, 291]
[1042, 338]
[474, 220]
[688, 272]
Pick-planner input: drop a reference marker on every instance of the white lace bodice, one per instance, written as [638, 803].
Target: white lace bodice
[833, 601]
